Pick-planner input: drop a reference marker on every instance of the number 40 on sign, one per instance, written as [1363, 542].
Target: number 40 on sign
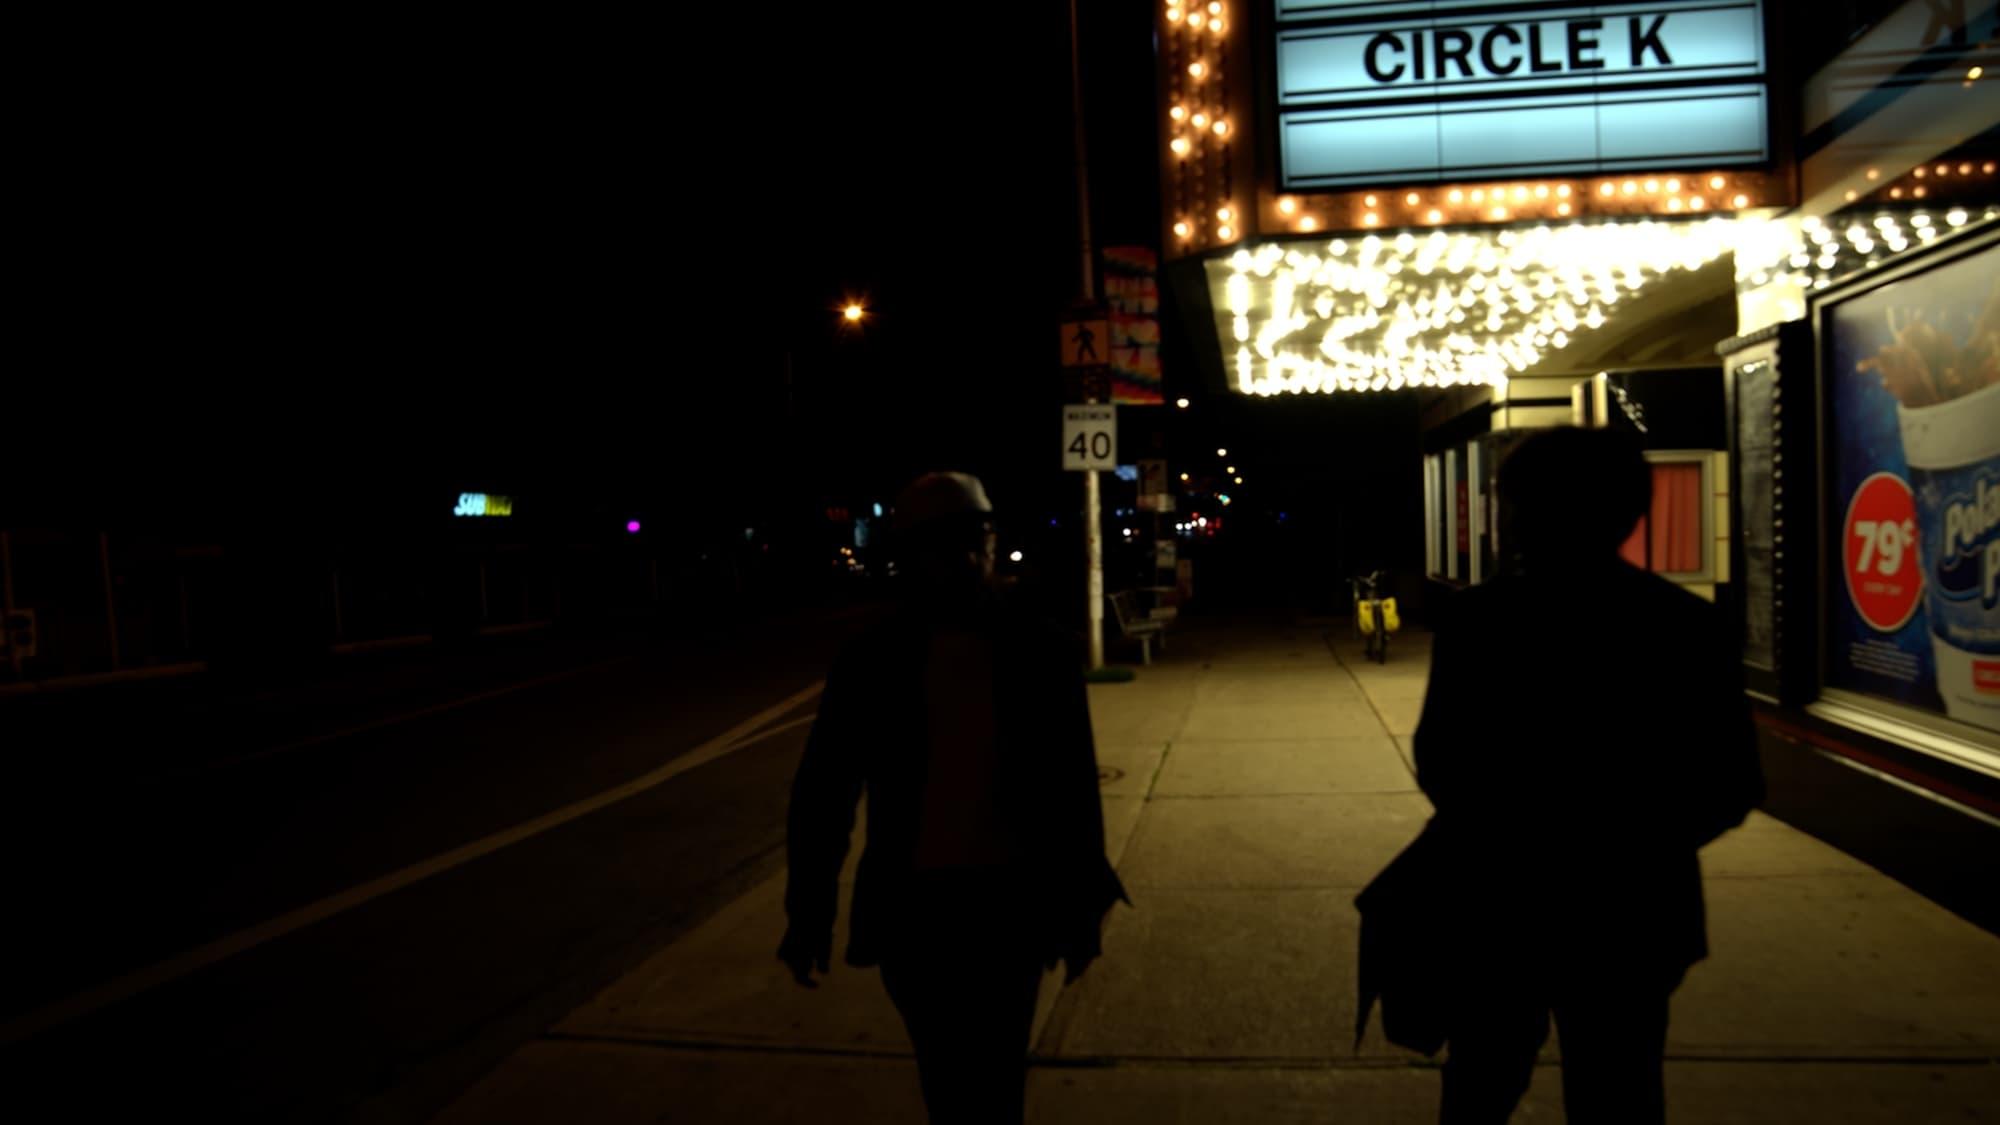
[1090, 438]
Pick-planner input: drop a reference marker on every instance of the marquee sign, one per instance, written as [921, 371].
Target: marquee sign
[1459, 89]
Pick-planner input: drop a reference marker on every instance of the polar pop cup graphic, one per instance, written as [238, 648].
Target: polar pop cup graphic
[1948, 410]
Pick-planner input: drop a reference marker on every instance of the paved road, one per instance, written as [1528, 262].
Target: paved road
[384, 1009]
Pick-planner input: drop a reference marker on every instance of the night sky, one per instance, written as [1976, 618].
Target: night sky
[570, 256]
[329, 283]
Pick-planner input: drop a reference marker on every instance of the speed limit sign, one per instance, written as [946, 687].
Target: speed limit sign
[1090, 438]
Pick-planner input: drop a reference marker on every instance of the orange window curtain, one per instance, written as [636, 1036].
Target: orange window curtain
[1675, 525]
[1634, 550]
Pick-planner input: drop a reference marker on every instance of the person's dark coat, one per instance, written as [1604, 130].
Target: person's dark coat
[871, 735]
[1584, 734]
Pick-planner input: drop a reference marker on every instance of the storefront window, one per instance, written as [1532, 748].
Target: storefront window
[1461, 515]
[1673, 538]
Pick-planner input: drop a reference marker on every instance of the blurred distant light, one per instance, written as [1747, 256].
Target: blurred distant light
[1223, 499]
[878, 511]
[1201, 521]
[632, 527]
[1015, 557]
[1182, 403]
[1222, 453]
[854, 312]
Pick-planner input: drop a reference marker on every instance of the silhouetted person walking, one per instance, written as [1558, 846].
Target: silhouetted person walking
[968, 727]
[1584, 734]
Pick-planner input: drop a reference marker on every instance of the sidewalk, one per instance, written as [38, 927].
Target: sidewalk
[1255, 779]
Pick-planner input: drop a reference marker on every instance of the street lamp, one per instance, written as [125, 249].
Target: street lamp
[1222, 453]
[854, 312]
[1182, 403]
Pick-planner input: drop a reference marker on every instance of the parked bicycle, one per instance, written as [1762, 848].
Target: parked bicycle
[1375, 617]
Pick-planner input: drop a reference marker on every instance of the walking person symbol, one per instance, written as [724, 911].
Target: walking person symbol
[1086, 343]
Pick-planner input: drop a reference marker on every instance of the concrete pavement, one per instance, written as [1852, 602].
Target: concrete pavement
[1255, 779]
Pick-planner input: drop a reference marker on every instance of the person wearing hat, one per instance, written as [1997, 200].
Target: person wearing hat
[967, 725]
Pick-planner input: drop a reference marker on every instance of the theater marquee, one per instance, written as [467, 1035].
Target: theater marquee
[1407, 93]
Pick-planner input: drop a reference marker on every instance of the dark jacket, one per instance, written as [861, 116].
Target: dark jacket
[871, 734]
[1585, 732]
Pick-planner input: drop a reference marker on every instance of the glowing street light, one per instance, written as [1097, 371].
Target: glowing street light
[1222, 453]
[1182, 403]
[854, 312]
[1015, 556]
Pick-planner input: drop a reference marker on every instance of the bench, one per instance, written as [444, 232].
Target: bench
[1137, 624]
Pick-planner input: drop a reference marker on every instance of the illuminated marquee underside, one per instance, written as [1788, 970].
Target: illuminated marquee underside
[1442, 308]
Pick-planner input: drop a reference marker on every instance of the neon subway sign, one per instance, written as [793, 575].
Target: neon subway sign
[1374, 92]
[477, 504]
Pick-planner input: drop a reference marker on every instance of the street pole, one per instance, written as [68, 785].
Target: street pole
[110, 598]
[1093, 517]
[7, 599]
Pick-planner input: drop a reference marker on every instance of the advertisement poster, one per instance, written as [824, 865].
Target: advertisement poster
[1132, 290]
[1914, 513]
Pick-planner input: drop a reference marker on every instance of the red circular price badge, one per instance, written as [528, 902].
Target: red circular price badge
[1885, 580]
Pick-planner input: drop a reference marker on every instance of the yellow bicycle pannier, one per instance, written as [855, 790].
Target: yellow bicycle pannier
[1389, 617]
